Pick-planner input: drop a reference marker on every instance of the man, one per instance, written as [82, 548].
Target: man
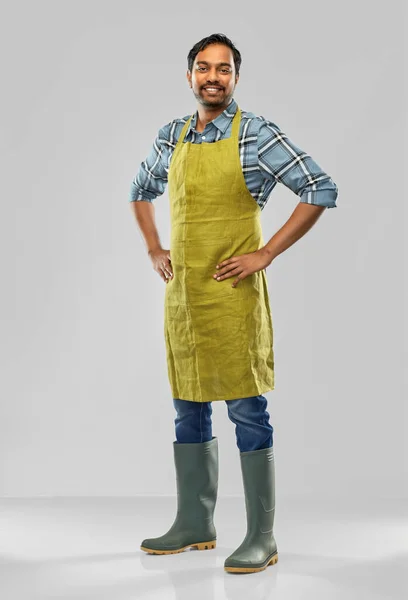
[221, 165]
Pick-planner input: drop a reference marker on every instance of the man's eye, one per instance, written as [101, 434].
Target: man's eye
[226, 71]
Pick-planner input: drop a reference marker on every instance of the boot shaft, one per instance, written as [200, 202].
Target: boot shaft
[258, 476]
[197, 471]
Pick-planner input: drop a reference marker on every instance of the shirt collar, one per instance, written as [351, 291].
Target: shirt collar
[221, 122]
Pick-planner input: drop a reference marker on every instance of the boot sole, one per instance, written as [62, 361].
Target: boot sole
[199, 546]
[273, 561]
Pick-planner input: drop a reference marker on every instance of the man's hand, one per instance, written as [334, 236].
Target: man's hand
[161, 263]
[243, 265]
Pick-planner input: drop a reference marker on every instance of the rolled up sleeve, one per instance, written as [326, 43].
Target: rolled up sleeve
[280, 159]
[151, 178]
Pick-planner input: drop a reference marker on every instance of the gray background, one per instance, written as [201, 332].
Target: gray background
[86, 407]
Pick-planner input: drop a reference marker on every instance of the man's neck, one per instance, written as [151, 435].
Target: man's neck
[206, 115]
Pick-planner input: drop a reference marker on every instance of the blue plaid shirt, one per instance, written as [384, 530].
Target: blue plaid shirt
[267, 156]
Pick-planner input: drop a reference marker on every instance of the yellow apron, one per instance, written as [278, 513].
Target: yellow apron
[219, 339]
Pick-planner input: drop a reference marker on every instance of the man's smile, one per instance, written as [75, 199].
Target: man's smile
[212, 90]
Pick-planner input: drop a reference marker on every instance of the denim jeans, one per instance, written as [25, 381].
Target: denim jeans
[252, 428]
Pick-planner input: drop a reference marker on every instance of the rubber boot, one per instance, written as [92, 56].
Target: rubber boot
[197, 486]
[258, 550]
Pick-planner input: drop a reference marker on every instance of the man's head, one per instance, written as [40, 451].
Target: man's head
[214, 60]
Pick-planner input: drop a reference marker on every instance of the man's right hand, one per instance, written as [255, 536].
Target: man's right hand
[162, 263]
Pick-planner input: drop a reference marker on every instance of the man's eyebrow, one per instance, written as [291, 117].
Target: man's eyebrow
[220, 63]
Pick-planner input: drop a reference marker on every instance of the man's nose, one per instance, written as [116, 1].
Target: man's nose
[212, 75]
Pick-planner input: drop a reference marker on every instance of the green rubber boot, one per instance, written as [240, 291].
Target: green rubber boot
[258, 550]
[197, 487]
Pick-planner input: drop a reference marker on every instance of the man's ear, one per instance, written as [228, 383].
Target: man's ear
[188, 75]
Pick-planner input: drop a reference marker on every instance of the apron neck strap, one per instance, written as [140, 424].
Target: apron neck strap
[235, 124]
[183, 131]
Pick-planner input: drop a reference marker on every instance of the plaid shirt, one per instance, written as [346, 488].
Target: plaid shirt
[266, 153]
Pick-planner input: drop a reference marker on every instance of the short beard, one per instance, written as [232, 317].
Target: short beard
[225, 101]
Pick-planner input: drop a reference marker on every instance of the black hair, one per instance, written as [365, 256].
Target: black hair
[215, 38]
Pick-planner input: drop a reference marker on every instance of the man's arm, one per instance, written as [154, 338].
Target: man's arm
[143, 211]
[281, 160]
[144, 215]
[149, 183]
[301, 220]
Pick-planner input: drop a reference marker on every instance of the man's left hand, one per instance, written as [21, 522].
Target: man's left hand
[243, 265]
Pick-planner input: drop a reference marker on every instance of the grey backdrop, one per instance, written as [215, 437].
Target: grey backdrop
[86, 406]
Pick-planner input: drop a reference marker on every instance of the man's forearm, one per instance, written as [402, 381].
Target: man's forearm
[300, 221]
[144, 214]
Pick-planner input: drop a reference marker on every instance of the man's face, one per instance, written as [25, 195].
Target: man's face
[213, 66]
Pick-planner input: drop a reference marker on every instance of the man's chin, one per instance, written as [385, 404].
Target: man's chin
[211, 101]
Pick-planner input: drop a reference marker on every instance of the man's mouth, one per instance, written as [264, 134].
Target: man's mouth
[211, 89]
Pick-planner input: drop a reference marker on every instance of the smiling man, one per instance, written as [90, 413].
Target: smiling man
[221, 165]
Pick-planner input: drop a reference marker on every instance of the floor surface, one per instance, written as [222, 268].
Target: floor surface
[88, 548]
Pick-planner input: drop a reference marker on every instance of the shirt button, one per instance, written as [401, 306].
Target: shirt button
[203, 137]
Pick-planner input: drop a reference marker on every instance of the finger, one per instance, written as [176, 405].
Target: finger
[167, 269]
[164, 275]
[229, 273]
[225, 268]
[238, 279]
[228, 261]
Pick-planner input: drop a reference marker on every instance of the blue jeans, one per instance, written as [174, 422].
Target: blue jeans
[252, 428]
